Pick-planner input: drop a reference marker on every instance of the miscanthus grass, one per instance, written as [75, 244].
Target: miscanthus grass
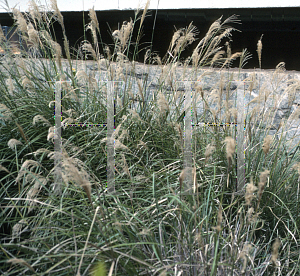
[148, 227]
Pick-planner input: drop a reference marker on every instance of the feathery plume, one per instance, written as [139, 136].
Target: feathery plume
[261, 185]
[12, 143]
[87, 47]
[2, 36]
[144, 12]
[50, 135]
[57, 52]
[250, 189]
[21, 262]
[40, 118]
[94, 19]
[230, 148]
[217, 57]
[33, 35]
[208, 151]
[16, 230]
[275, 248]
[162, 103]
[5, 113]
[266, 145]
[243, 255]
[218, 228]
[259, 50]
[20, 21]
[57, 12]
[34, 11]
[27, 83]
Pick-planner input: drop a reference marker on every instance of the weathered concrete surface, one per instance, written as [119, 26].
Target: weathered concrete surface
[269, 97]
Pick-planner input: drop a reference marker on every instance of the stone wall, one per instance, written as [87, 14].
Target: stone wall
[271, 97]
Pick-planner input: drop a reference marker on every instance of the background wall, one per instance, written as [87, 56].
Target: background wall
[280, 25]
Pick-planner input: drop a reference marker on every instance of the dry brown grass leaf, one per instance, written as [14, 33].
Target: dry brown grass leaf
[21, 262]
[2, 168]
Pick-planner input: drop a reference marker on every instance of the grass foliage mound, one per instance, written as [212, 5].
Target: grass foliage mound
[148, 226]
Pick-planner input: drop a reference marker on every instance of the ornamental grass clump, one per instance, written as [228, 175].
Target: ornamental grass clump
[149, 226]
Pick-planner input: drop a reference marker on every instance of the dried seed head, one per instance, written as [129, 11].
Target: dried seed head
[5, 113]
[162, 103]
[141, 145]
[57, 52]
[40, 118]
[12, 143]
[57, 13]
[262, 182]
[27, 165]
[263, 176]
[16, 230]
[259, 50]
[51, 134]
[266, 145]
[243, 255]
[249, 214]
[81, 77]
[27, 83]
[41, 150]
[144, 12]
[230, 147]
[135, 115]
[20, 21]
[217, 57]
[208, 151]
[72, 173]
[250, 189]
[218, 228]
[122, 36]
[94, 19]
[275, 253]
[33, 35]
[34, 11]
[2, 36]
